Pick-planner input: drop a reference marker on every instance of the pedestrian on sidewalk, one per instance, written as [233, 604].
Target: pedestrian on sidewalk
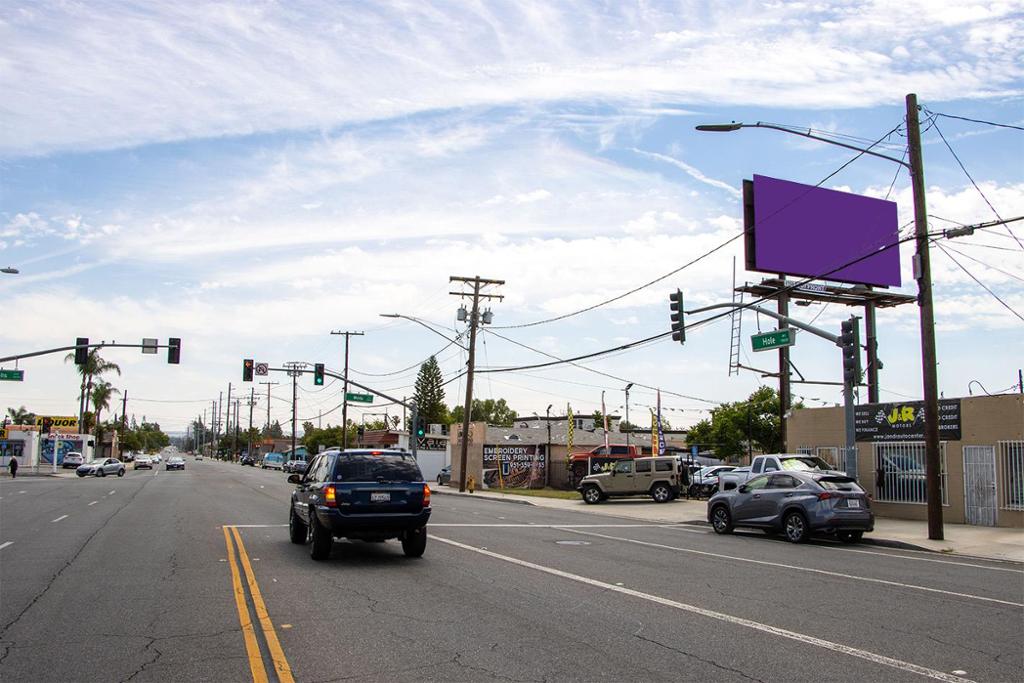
[13, 465]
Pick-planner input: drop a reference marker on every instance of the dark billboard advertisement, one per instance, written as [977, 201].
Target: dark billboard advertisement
[905, 421]
[808, 231]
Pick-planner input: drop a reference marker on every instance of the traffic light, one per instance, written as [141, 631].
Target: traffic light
[678, 325]
[318, 374]
[247, 366]
[849, 340]
[81, 352]
[421, 427]
[174, 350]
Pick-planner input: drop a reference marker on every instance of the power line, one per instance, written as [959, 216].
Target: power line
[987, 123]
[702, 256]
[969, 177]
[986, 265]
[980, 283]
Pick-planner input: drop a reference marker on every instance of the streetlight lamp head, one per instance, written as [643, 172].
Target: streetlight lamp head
[719, 127]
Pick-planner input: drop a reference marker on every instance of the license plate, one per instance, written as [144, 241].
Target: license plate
[380, 497]
[853, 503]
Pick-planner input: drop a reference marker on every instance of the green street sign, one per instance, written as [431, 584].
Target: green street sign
[12, 375]
[360, 398]
[773, 340]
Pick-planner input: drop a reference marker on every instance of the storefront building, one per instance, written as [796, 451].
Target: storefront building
[981, 451]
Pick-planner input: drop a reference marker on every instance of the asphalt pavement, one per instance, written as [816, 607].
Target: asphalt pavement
[189, 576]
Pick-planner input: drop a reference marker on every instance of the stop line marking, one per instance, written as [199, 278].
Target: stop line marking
[720, 616]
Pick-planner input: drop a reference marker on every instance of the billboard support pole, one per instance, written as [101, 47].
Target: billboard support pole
[784, 393]
[872, 351]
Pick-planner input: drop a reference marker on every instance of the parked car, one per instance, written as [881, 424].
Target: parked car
[156, 458]
[73, 460]
[249, 460]
[705, 480]
[659, 477]
[101, 467]
[273, 461]
[199, 456]
[445, 475]
[143, 462]
[295, 466]
[175, 462]
[360, 494]
[776, 462]
[796, 503]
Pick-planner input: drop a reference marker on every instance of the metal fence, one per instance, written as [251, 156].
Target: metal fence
[838, 457]
[1011, 483]
[804, 450]
[900, 472]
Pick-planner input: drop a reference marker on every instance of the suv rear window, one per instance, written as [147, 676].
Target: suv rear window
[840, 484]
[662, 466]
[383, 467]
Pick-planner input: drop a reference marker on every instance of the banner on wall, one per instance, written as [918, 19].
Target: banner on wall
[905, 421]
[513, 466]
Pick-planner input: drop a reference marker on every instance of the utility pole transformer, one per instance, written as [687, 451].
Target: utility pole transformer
[474, 319]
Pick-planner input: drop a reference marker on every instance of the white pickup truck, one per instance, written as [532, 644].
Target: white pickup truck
[773, 463]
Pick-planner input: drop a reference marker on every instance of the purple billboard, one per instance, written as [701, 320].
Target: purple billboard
[808, 231]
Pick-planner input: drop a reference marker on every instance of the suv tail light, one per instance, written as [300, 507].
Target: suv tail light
[426, 495]
[824, 495]
[330, 497]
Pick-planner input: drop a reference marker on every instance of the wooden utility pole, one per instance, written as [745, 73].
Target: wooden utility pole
[474, 319]
[344, 399]
[269, 384]
[929, 370]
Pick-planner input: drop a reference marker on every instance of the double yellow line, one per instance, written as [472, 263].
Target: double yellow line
[252, 647]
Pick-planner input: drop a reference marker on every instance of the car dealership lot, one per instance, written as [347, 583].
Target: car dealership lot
[503, 591]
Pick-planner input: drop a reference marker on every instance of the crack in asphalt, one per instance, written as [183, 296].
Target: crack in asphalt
[694, 656]
[69, 562]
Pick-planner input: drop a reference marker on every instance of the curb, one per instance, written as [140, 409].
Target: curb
[483, 497]
[882, 542]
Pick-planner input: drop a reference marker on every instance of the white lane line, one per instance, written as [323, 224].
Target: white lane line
[58, 519]
[566, 526]
[92, 503]
[4, 545]
[796, 568]
[925, 559]
[112, 493]
[720, 616]
[22, 491]
[254, 526]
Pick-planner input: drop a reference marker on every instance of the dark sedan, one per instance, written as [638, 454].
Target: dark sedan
[796, 504]
[175, 462]
[444, 476]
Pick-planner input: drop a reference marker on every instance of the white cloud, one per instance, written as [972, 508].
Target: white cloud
[231, 68]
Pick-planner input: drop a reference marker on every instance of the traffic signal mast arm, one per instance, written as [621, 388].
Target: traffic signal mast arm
[771, 314]
[74, 347]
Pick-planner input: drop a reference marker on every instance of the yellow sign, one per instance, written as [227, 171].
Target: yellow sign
[3, 433]
[58, 421]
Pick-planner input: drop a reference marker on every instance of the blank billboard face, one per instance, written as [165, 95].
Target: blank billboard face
[808, 231]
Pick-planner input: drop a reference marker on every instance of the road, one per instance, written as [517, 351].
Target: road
[189, 576]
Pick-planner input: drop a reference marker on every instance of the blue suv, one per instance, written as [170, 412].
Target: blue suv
[368, 495]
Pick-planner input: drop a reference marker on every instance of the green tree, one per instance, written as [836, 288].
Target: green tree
[275, 431]
[21, 416]
[100, 397]
[495, 413]
[732, 424]
[429, 393]
[326, 437]
[95, 366]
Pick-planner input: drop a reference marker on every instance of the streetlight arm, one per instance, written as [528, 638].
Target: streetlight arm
[771, 314]
[420, 322]
[729, 127]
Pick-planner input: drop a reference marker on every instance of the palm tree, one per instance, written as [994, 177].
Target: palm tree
[21, 416]
[101, 394]
[95, 366]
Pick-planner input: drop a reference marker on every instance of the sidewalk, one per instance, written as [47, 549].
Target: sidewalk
[997, 543]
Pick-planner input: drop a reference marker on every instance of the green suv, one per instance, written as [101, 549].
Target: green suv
[657, 477]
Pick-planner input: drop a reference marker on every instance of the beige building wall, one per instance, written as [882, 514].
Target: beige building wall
[984, 420]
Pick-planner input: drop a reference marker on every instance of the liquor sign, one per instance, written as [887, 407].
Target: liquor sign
[519, 466]
[55, 422]
[905, 421]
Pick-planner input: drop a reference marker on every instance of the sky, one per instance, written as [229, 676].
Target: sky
[251, 176]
